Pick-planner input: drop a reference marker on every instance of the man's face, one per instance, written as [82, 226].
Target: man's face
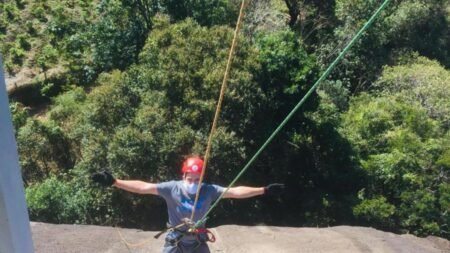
[191, 178]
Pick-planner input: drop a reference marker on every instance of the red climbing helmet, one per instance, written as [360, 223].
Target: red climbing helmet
[192, 165]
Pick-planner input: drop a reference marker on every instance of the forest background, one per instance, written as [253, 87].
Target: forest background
[131, 85]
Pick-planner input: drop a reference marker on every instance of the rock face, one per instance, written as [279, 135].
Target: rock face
[234, 239]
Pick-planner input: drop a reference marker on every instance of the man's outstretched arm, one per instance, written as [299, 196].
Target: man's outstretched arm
[136, 186]
[242, 192]
[107, 179]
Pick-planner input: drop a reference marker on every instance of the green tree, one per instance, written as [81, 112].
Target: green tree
[19, 114]
[62, 201]
[422, 80]
[376, 210]
[312, 19]
[287, 72]
[398, 145]
[66, 106]
[213, 12]
[46, 58]
[199, 56]
[61, 23]
[396, 29]
[43, 150]
[119, 34]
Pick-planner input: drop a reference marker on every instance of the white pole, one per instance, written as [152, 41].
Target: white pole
[15, 233]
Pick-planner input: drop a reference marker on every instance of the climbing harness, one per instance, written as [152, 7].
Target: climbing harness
[202, 235]
[190, 230]
[176, 234]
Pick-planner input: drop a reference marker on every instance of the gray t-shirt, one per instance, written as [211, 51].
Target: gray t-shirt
[180, 203]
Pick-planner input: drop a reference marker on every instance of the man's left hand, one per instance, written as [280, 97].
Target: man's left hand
[274, 189]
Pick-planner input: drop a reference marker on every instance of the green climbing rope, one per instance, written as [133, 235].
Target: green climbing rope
[289, 116]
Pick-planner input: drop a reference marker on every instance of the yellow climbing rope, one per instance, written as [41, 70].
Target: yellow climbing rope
[219, 104]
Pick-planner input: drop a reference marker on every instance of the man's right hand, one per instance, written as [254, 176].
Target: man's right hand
[104, 178]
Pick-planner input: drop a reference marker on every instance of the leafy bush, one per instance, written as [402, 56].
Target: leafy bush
[118, 36]
[421, 80]
[398, 146]
[46, 57]
[3, 24]
[19, 115]
[58, 201]
[43, 150]
[30, 28]
[67, 105]
[17, 55]
[11, 11]
[214, 12]
[419, 213]
[39, 13]
[376, 210]
[22, 41]
[395, 29]
[61, 23]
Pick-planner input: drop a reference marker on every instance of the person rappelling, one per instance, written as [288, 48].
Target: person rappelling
[189, 200]
[190, 196]
[180, 195]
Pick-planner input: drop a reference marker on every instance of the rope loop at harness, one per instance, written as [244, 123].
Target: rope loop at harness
[209, 235]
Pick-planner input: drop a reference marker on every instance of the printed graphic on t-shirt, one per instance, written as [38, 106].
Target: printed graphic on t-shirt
[188, 203]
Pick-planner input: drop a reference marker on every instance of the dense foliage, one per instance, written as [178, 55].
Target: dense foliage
[133, 87]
